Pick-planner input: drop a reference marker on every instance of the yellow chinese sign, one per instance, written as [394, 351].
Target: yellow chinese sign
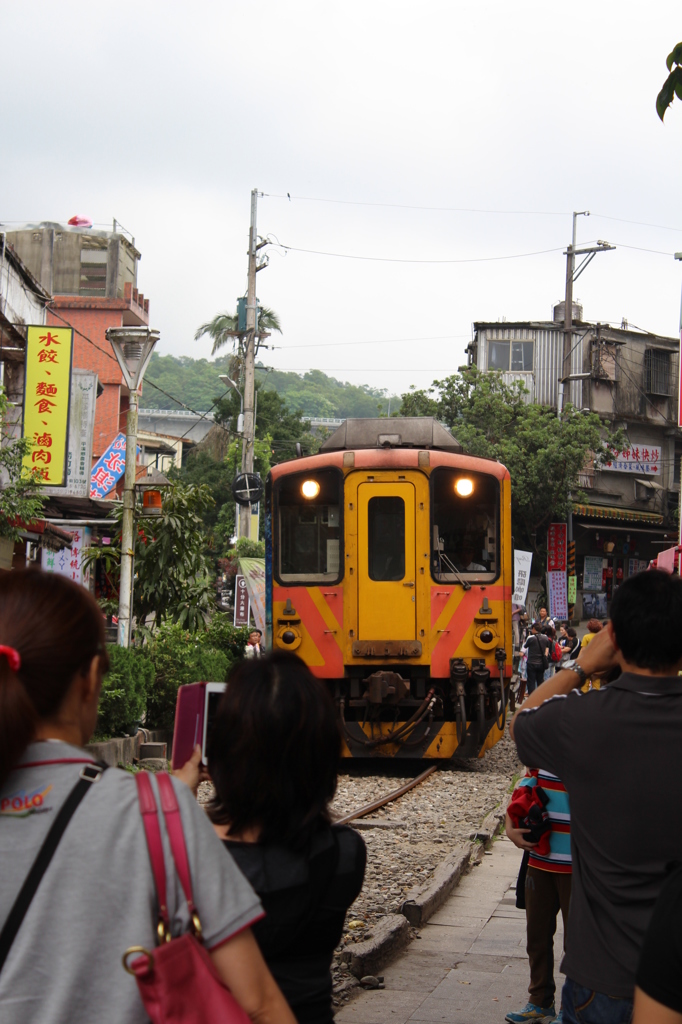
[47, 393]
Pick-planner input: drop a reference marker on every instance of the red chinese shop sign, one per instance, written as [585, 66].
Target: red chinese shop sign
[47, 397]
[556, 547]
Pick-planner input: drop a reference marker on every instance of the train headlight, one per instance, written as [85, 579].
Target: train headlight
[464, 487]
[310, 489]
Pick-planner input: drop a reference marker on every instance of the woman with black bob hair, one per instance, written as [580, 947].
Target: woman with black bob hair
[273, 757]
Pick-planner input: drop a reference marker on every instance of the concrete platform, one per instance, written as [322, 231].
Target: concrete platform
[470, 965]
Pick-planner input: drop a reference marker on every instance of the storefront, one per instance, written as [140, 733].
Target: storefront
[611, 544]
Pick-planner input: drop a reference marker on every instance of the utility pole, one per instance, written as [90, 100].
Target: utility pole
[251, 339]
[566, 376]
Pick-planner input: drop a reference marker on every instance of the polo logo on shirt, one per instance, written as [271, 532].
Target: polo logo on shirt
[24, 802]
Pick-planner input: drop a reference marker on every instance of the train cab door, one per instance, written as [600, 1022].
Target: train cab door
[387, 607]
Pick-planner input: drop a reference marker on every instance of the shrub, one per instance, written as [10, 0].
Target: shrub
[179, 657]
[225, 637]
[123, 698]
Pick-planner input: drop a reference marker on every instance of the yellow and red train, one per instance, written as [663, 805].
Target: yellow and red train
[389, 572]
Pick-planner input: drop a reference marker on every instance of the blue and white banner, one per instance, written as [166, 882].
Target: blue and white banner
[109, 469]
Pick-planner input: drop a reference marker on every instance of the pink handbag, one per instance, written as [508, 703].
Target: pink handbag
[177, 981]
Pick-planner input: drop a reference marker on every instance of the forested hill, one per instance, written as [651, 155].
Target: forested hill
[195, 382]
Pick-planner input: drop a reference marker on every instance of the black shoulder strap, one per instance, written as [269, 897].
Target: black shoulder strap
[89, 773]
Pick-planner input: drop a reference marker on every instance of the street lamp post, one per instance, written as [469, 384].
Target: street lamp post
[133, 347]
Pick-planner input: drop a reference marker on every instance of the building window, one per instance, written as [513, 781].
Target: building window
[93, 276]
[516, 356]
[657, 371]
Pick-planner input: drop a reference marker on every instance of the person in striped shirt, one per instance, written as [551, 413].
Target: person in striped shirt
[547, 887]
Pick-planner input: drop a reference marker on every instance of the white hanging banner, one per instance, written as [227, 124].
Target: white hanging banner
[522, 564]
[558, 597]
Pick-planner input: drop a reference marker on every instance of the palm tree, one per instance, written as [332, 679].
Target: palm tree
[223, 328]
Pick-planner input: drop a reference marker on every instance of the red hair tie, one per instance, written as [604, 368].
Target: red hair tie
[13, 657]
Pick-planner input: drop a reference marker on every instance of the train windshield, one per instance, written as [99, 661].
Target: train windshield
[464, 526]
[310, 534]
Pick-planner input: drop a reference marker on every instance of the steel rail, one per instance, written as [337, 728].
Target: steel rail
[382, 801]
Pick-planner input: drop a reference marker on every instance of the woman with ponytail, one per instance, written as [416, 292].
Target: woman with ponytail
[61, 950]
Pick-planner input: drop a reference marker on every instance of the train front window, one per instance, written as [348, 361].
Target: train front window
[464, 526]
[310, 533]
[386, 538]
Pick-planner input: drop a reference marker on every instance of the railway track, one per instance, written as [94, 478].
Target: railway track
[382, 801]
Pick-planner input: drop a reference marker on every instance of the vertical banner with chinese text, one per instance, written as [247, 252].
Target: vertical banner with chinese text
[81, 428]
[47, 395]
[522, 564]
[556, 547]
[241, 602]
[558, 598]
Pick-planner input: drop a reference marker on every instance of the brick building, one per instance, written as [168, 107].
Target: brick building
[92, 277]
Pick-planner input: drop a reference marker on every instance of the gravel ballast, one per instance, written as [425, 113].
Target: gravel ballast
[408, 839]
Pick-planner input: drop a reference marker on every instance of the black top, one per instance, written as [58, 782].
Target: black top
[536, 645]
[305, 897]
[660, 968]
[619, 754]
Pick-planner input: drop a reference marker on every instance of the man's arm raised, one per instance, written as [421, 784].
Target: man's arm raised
[600, 656]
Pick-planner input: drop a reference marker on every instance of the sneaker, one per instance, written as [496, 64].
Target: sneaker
[531, 1012]
[559, 1019]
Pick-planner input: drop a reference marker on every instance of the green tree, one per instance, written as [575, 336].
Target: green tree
[172, 574]
[223, 328]
[20, 500]
[195, 382]
[673, 84]
[544, 454]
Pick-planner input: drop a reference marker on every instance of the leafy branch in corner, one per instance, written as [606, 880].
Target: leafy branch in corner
[673, 84]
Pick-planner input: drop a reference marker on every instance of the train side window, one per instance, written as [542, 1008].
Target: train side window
[309, 534]
[386, 538]
[464, 526]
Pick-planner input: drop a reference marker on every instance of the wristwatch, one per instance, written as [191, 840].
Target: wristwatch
[573, 666]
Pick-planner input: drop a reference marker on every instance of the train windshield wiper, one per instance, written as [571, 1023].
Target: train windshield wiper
[442, 557]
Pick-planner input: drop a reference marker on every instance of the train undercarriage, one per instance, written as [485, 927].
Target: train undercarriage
[390, 713]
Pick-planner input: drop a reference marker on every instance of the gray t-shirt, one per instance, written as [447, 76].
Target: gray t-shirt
[98, 896]
[618, 752]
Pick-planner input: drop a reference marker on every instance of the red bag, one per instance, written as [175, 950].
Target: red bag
[557, 652]
[178, 982]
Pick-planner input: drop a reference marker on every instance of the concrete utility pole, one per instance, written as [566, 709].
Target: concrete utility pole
[568, 309]
[250, 364]
[566, 376]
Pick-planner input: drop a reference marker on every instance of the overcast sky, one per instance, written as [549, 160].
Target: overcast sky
[165, 115]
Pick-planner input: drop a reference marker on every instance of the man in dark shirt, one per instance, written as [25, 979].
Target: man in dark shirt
[537, 646]
[619, 754]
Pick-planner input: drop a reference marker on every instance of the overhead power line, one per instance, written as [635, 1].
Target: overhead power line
[409, 206]
[463, 209]
[392, 259]
[377, 341]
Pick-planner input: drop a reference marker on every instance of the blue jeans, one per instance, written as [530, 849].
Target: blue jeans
[584, 1006]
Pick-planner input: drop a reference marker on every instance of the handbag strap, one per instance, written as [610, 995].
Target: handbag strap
[176, 835]
[152, 831]
[89, 773]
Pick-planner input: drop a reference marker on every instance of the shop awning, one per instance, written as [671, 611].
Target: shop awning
[623, 515]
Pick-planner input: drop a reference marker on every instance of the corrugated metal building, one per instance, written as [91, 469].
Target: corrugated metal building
[631, 382]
